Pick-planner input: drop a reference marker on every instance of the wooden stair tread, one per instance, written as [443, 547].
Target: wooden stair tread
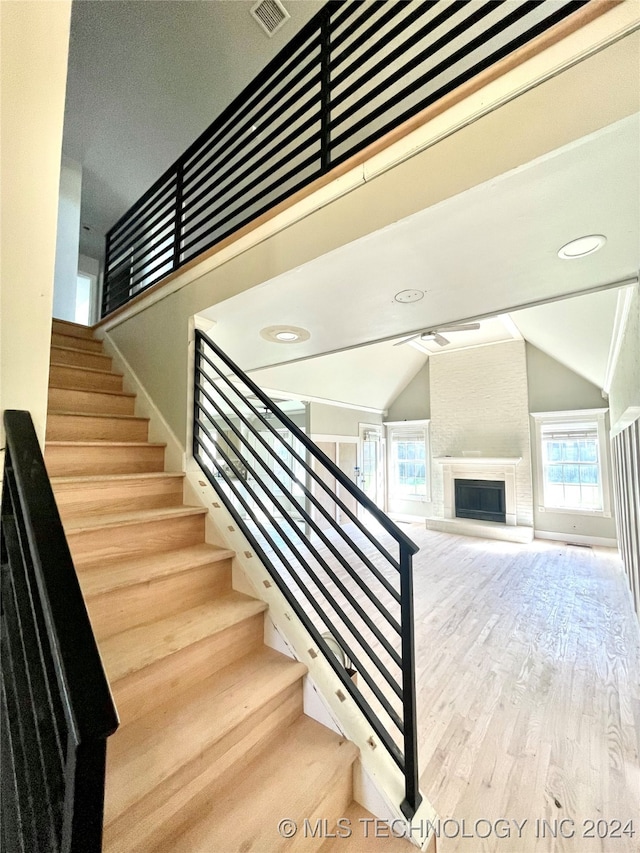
[124, 573]
[105, 415]
[92, 391]
[290, 780]
[82, 479]
[150, 749]
[132, 650]
[75, 349]
[364, 839]
[81, 369]
[94, 443]
[122, 519]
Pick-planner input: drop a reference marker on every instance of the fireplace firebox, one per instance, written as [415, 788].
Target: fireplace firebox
[480, 499]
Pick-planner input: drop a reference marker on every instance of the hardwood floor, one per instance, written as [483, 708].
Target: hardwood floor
[528, 693]
[528, 680]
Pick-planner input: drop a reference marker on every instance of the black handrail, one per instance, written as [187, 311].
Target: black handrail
[354, 73]
[57, 709]
[276, 489]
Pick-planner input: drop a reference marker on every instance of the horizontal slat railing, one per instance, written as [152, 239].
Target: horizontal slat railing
[354, 73]
[57, 710]
[343, 565]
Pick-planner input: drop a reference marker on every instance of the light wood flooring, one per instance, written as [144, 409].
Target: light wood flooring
[528, 680]
[528, 692]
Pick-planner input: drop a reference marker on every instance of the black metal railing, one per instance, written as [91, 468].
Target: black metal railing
[343, 565]
[56, 708]
[355, 72]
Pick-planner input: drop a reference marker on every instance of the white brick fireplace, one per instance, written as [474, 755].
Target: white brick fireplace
[480, 431]
[480, 468]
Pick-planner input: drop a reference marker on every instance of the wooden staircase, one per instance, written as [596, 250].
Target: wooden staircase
[213, 747]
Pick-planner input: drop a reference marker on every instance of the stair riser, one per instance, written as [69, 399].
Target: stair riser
[77, 428]
[60, 327]
[62, 376]
[88, 344]
[184, 795]
[135, 540]
[74, 461]
[77, 358]
[99, 498]
[142, 691]
[124, 608]
[145, 776]
[68, 400]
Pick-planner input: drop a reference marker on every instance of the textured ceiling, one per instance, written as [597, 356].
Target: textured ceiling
[145, 78]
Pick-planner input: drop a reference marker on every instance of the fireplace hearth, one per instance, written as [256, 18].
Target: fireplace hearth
[483, 500]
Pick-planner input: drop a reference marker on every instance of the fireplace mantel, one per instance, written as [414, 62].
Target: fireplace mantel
[480, 467]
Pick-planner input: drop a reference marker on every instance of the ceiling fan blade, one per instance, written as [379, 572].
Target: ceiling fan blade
[406, 340]
[439, 339]
[459, 327]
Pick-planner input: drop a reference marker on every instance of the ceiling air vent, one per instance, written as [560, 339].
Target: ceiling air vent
[270, 14]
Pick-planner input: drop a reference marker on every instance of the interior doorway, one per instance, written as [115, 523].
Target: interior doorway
[371, 459]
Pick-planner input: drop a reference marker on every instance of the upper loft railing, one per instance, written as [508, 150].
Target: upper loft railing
[344, 567]
[355, 72]
[56, 709]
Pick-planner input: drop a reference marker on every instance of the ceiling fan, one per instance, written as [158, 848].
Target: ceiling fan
[435, 334]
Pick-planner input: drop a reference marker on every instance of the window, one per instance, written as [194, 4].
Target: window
[408, 468]
[572, 461]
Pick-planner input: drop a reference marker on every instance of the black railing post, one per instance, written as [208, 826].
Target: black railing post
[177, 221]
[325, 89]
[105, 275]
[412, 792]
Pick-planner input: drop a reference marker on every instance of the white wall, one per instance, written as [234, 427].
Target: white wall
[67, 240]
[413, 403]
[479, 402]
[338, 420]
[555, 388]
[34, 46]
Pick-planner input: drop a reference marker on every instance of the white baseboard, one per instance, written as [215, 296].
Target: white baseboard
[576, 539]
[159, 429]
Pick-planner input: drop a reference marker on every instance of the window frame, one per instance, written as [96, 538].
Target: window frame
[546, 419]
[393, 427]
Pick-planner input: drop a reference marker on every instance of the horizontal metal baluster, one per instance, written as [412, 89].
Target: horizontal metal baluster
[317, 556]
[286, 60]
[136, 247]
[353, 48]
[276, 184]
[359, 666]
[130, 226]
[312, 447]
[352, 545]
[224, 144]
[283, 586]
[315, 451]
[251, 167]
[413, 61]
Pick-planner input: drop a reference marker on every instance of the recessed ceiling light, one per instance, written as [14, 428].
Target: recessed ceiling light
[409, 296]
[285, 334]
[582, 246]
